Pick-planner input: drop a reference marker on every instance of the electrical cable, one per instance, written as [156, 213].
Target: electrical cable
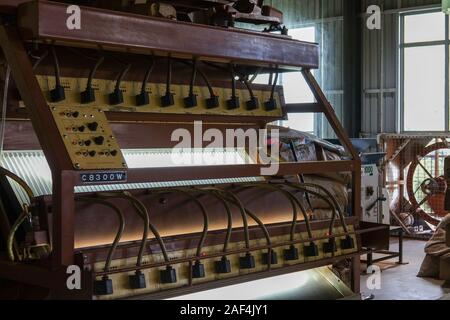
[208, 84]
[25, 212]
[121, 76]
[257, 220]
[40, 59]
[147, 76]
[119, 231]
[272, 92]
[321, 196]
[20, 181]
[56, 66]
[241, 207]
[333, 199]
[229, 215]
[169, 75]
[143, 213]
[93, 71]
[255, 75]
[249, 88]
[203, 211]
[10, 241]
[233, 81]
[193, 76]
[236, 201]
[204, 77]
[302, 179]
[294, 203]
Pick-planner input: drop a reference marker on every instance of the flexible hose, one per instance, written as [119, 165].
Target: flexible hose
[294, 203]
[20, 181]
[193, 76]
[121, 76]
[169, 75]
[203, 211]
[272, 92]
[233, 81]
[257, 220]
[93, 71]
[330, 204]
[333, 199]
[147, 76]
[56, 66]
[321, 196]
[10, 242]
[239, 204]
[204, 77]
[25, 212]
[249, 88]
[229, 215]
[143, 213]
[40, 59]
[119, 233]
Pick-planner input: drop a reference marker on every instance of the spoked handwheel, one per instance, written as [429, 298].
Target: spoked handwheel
[426, 191]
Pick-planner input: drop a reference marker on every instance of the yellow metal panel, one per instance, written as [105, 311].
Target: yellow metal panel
[82, 143]
[74, 86]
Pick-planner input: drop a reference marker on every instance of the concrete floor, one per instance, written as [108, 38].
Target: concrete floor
[399, 282]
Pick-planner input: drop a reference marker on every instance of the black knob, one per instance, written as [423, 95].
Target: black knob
[99, 140]
[87, 143]
[92, 126]
[75, 114]
[114, 153]
[81, 129]
[92, 153]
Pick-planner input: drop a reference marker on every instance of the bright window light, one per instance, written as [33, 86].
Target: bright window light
[424, 88]
[296, 89]
[425, 27]
[423, 79]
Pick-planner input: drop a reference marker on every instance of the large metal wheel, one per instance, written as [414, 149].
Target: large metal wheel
[426, 186]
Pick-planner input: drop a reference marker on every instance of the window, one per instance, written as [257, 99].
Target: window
[424, 78]
[295, 87]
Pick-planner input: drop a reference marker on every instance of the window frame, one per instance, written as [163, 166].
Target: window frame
[401, 84]
[316, 117]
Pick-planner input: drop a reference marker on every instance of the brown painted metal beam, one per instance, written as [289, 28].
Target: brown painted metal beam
[30, 91]
[303, 108]
[122, 31]
[226, 171]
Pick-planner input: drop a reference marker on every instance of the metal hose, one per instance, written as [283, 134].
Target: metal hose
[20, 181]
[10, 241]
[330, 195]
[294, 203]
[242, 210]
[140, 212]
[119, 231]
[229, 215]
[203, 211]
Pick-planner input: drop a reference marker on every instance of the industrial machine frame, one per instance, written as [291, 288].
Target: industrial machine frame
[41, 26]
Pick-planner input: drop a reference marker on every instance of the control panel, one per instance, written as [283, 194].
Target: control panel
[131, 98]
[88, 137]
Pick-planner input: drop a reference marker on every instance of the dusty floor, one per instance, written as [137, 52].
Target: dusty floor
[399, 282]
